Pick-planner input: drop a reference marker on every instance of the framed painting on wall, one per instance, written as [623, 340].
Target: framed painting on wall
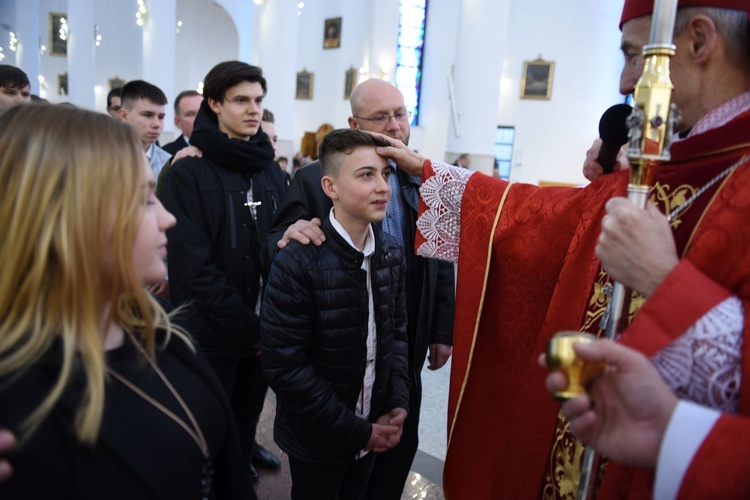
[350, 81]
[332, 33]
[58, 34]
[536, 81]
[304, 88]
[116, 83]
[62, 84]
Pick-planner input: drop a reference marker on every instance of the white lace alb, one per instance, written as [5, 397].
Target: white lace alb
[704, 364]
[440, 224]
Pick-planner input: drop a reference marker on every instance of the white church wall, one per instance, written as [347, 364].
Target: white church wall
[551, 136]
[439, 55]
[207, 37]
[583, 41]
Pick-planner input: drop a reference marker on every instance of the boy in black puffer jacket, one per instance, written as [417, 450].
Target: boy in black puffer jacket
[333, 331]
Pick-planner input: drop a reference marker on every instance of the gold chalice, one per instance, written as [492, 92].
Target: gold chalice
[561, 357]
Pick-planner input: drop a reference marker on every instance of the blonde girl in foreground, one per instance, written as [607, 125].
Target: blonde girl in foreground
[107, 398]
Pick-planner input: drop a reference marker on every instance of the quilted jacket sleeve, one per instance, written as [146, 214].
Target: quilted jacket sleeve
[286, 334]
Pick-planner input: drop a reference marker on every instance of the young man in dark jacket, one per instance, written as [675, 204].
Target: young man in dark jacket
[378, 106]
[224, 202]
[334, 331]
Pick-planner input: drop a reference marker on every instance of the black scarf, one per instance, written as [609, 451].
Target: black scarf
[249, 157]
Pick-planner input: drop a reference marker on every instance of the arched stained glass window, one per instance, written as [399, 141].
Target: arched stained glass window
[412, 18]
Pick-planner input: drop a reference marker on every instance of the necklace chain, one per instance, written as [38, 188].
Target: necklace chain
[685, 204]
[195, 432]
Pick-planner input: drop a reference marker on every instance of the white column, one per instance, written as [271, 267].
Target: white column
[159, 44]
[481, 31]
[242, 13]
[279, 63]
[384, 36]
[81, 66]
[27, 31]
[441, 38]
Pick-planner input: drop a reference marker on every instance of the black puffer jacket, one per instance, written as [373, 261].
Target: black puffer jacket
[314, 332]
[429, 282]
[214, 250]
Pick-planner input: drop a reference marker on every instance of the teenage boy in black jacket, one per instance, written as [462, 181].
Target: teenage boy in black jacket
[224, 202]
[334, 331]
[378, 106]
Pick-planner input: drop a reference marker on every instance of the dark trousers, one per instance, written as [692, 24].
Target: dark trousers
[246, 388]
[345, 481]
[392, 467]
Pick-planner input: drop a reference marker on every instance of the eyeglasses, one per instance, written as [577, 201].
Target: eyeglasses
[382, 118]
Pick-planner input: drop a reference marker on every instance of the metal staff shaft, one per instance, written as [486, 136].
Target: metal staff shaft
[638, 194]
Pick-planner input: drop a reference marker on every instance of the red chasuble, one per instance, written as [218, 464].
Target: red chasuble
[527, 269]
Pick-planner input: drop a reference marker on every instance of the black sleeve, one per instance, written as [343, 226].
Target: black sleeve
[304, 200]
[445, 302]
[193, 273]
[399, 389]
[159, 191]
[43, 466]
[286, 336]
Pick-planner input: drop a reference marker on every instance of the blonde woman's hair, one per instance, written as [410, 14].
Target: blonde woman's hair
[72, 191]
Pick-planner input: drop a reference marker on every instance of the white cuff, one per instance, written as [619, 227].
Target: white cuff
[688, 427]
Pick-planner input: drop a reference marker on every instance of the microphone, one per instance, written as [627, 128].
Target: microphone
[613, 132]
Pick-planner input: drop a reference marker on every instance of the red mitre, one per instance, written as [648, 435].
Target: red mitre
[639, 8]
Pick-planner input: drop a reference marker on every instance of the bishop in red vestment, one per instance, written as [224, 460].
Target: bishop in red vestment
[527, 268]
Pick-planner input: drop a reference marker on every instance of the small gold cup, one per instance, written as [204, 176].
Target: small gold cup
[561, 357]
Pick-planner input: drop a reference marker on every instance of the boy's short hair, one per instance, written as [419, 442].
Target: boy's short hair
[226, 75]
[184, 93]
[268, 117]
[138, 89]
[12, 77]
[341, 142]
[116, 92]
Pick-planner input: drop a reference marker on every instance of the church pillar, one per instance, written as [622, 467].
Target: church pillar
[279, 22]
[159, 44]
[480, 49]
[27, 32]
[81, 66]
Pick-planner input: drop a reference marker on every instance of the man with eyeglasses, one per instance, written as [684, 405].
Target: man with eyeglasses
[378, 106]
[114, 102]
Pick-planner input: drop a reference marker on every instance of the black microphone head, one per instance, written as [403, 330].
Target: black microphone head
[612, 126]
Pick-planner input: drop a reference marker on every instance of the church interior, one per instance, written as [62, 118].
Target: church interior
[520, 85]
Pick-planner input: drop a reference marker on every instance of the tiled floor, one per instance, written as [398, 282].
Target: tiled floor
[425, 480]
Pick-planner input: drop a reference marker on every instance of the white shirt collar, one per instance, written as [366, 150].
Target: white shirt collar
[369, 239]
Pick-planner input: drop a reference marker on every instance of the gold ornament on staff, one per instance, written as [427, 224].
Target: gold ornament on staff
[650, 128]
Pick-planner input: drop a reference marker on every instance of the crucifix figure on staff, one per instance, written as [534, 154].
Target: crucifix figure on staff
[532, 263]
